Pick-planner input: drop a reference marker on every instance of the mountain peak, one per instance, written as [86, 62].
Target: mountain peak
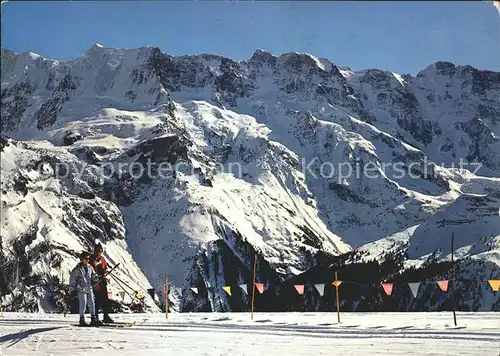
[263, 56]
[293, 59]
[299, 60]
[96, 47]
[440, 67]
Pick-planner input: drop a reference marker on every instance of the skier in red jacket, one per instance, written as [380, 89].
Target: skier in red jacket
[101, 290]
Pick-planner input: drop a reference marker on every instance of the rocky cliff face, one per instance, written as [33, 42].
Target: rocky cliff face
[190, 166]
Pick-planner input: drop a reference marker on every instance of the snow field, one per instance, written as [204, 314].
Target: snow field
[268, 333]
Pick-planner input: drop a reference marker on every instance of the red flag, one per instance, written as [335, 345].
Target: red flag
[443, 285]
[260, 287]
[388, 288]
[299, 288]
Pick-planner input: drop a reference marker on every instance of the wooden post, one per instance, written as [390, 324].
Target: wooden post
[338, 302]
[165, 289]
[253, 285]
[453, 279]
[64, 296]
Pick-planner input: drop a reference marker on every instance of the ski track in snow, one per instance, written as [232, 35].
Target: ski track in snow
[272, 333]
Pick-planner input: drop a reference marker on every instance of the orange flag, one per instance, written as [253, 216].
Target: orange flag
[337, 283]
[299, 288]
[388, 288]
[443, 285]
[227, 289]
[260, 287]
[494, 284]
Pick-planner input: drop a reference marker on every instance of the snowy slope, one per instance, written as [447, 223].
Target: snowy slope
[257, 153]
[47, 222]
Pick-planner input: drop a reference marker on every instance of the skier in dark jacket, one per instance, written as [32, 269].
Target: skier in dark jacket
[80, 283]
[101, 290]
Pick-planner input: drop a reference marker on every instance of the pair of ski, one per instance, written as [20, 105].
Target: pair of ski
[109, 325]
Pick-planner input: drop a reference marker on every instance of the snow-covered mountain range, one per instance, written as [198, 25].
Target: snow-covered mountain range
[189, 166]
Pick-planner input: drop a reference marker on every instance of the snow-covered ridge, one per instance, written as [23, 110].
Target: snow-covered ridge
[249, 142]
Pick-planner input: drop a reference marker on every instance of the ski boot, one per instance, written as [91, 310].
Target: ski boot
[94, 321]
[82, 322]
[107, 319]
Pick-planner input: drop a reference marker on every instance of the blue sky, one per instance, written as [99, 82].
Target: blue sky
[402, 37]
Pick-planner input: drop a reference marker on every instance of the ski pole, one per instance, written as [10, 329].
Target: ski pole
[105, 275]
[130, 288]
[118, 282]
[124, 286]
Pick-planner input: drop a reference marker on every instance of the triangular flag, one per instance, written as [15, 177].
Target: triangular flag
[494, 284]
[122, 295]
[414, 288]
[443, 285]
[299, 288]
[260, 287]
[179, 291]
[387, 288]
[244, 287]
[320, 288]
[195, 290]
[337, 283]
[227, 289]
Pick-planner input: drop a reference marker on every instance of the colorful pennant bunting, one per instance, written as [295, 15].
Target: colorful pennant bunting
[414, 288]
[337, 283]
[388, 288]
[320, 288]
[494, 284]
[227, 289]
[443, 285]
[260, 287]
[299, 288]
